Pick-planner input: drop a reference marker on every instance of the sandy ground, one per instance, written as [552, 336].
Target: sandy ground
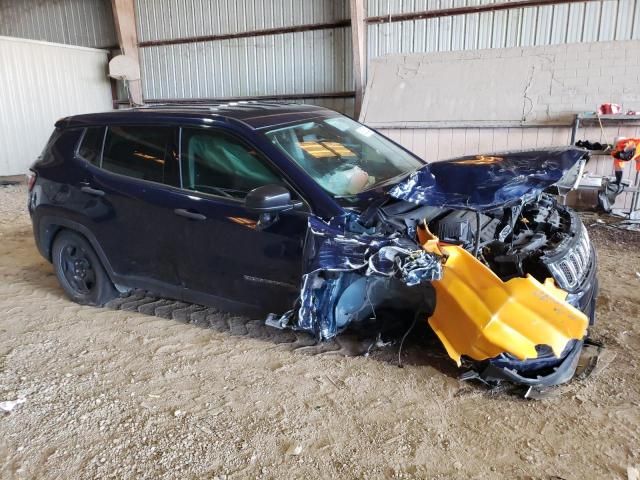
[126, 392]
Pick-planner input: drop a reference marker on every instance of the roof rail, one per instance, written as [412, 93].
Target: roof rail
[215, 104]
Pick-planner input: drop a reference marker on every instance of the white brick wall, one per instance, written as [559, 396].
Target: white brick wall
[548, 84]
[583, 76]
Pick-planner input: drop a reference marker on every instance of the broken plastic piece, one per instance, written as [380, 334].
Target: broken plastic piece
[9, 405]
[480, 316]
[276, 321]
[535, 392]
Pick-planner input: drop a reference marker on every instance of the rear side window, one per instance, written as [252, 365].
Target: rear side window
[91, 145]
[48, 155]
[148, 153]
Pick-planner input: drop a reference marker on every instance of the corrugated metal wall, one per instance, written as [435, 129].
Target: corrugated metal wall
[171, 19]
[531, 26]
[40, 83]
[308, 62]
[88, 23]
[292, 63]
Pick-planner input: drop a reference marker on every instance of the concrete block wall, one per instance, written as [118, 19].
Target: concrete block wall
[570, 79]
[584, 75]
[521, 86]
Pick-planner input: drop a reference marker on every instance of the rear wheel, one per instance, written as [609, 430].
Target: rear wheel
[80, 271]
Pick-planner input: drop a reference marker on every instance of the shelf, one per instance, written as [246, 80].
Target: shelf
[607, 118]
[581, 119]
[600, 152]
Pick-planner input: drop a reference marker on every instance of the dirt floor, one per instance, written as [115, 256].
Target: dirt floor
[151, 388]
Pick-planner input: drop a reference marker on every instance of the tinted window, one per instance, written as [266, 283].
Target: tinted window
[217, 163]
[49, 152]
[91, 145]
[148, 153]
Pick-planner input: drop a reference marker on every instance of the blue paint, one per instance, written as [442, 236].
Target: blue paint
[484, 182]
[337, 256]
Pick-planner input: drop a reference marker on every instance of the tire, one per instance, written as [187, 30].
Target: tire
[80, 272]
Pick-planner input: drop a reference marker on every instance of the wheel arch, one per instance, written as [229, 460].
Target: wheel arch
[49, 227]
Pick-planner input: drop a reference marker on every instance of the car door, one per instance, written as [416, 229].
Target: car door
[133, 184]
[226, 251]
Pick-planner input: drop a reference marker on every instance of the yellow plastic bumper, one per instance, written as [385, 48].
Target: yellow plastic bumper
[480, 316]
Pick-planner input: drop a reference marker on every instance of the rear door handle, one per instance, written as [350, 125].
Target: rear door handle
[186, 213]
[92, 191]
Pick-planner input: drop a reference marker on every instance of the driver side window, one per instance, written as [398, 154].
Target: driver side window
[217, 163]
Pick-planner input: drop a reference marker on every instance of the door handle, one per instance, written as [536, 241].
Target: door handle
[186, 213]
[92, 191]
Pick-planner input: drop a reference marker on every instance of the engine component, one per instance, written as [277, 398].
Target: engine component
[459, 227]
[455, 232]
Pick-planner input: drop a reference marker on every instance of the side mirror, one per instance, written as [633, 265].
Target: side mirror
[269, 199]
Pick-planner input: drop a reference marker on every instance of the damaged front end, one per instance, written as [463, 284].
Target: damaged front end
[477, 246]
[352, 271]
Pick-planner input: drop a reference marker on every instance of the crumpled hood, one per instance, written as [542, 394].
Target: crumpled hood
[482, 182]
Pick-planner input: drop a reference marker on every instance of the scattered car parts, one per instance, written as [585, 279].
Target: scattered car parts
[494, 282]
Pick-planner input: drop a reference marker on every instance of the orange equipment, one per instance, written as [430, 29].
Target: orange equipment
[626, 149]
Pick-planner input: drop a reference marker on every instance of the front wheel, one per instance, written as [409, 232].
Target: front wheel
[80, 271]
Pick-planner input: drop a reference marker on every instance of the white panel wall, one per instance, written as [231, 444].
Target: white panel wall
[39, 83]
[88, 23]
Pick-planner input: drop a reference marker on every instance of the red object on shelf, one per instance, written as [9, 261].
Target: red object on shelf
[609, 109]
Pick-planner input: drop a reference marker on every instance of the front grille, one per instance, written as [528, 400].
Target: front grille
[569, 272]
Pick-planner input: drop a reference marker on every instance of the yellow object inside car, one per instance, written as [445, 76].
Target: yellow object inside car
[479, 315]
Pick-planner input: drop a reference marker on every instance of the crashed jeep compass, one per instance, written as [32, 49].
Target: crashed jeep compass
[302, 212]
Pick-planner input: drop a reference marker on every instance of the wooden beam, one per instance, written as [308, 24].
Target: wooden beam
[358, 40]
[124, 16]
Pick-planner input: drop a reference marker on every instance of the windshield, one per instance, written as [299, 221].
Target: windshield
[342, 155]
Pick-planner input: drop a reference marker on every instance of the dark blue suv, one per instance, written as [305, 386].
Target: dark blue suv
[299, 210]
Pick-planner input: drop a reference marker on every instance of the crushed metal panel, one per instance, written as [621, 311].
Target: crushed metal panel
[486, 181]
[339, 253]
[480, 316]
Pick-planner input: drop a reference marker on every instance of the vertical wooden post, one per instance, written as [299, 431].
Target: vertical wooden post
[124, 16]
[358, 39]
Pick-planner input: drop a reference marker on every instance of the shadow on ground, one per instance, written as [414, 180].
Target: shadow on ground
[421, 346]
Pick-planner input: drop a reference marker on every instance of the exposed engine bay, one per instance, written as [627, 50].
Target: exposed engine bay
[500, 286]
[512, 242]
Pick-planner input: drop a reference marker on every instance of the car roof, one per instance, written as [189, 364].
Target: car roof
[255, 114]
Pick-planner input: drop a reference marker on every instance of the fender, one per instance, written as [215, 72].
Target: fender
[46, 226]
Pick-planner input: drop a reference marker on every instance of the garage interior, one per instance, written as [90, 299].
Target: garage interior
[149, 387]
